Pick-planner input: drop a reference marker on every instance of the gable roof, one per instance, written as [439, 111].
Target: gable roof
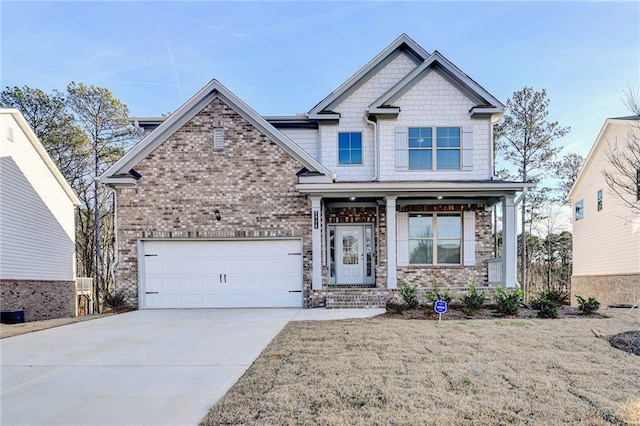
[486, 104]
[404, 43]
[42, 152]
[119, 173]
[600, 140]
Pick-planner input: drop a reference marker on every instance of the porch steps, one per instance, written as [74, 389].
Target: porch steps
[356, 298]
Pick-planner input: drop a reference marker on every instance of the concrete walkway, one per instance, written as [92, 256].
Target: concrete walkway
[153, 367]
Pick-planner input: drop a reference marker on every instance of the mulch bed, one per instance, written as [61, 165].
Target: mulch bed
[454, 312]
[628, 341]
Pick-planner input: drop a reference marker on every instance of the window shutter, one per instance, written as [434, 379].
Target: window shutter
[469, 224]
[401, 148]
[467, 148]
[402, 238]
[218, 138]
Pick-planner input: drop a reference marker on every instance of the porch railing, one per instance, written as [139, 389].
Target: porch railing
[494, 271]
[84, 296]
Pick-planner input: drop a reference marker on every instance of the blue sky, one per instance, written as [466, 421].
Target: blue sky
[283, 57]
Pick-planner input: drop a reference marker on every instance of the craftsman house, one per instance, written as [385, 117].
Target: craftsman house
[606, 230]
[37, 226]
[389, 179]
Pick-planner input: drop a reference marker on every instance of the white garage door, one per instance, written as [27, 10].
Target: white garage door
[221, 274]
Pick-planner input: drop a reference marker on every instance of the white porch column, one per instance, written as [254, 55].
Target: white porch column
[392, 274]
[316, 243]
[509, 242]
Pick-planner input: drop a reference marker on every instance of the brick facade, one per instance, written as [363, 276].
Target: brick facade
[40, 300]
[251, 181]
[607, 289]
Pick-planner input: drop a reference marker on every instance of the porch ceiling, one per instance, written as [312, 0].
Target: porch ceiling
[487, 191]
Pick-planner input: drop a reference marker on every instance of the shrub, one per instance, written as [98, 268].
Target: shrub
[437, 294]
[508, 301]
[114, 300]
[588, 306]
[472, 302]
[547, 309]
[408, 293]
[557, 297]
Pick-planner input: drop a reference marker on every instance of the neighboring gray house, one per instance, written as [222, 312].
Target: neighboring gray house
[389, 179]
[37, 226]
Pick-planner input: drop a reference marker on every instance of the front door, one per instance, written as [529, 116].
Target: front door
[350, 255]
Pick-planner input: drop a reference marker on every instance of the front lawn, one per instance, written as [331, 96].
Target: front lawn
[387, 370]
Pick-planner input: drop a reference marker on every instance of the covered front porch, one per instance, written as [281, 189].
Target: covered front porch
[369, 237]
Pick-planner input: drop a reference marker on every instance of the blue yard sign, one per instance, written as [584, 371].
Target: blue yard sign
[440, 306]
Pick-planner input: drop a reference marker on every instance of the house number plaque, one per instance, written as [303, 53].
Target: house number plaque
[315, 220]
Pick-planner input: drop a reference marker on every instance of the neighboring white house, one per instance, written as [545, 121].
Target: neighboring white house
[37, 225]
[606, 231]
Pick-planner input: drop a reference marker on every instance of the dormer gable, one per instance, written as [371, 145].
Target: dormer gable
[486, 105]
[324, 110]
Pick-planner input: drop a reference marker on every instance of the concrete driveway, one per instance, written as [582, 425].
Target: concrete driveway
[155, 367]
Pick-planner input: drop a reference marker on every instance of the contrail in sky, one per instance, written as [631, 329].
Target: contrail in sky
[173, 64]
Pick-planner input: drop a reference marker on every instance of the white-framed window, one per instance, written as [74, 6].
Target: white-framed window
[349, 148]
[599, 199]
[435, 239]
[442, 154]
[579, 210]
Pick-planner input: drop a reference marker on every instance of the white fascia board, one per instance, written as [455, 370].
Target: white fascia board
[315, 179]
[592, 153]
[412, 78]
[188, 110]
[42, 152]
[118, 181]
[415, 188]
[355, 79]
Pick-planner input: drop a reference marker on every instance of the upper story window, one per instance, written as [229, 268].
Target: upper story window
[579, 212]
[349, 148]
[599, 199]
[435, 239]
[445, 155]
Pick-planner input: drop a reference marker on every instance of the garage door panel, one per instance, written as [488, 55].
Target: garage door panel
[229, 273]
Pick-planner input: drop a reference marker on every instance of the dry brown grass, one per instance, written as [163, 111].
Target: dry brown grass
[478, 372]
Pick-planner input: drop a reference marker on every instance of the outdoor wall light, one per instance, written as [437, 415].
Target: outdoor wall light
[352, 198]
[218, 216]
[439, 197]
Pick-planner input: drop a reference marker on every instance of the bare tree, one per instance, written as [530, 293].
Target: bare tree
[524, 137]
[568, 169]
[624, 176]
[105, 121]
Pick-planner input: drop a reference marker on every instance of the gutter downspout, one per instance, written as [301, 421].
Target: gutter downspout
[375, 144]
[114, 265]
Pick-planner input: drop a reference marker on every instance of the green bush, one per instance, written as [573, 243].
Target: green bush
[473, 301]
[547, 309]
[588, 306]
[437, 294]
[408, 293]
[508, 301]
[557, 297]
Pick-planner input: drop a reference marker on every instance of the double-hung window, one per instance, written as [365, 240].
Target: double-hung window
[435, 239]
[444, 154]
[599, 199]
[349, 148]
[579, 210]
